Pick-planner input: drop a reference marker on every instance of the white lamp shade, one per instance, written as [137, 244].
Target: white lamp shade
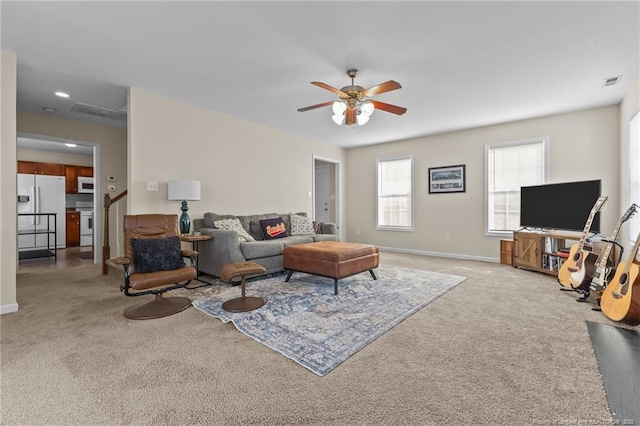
[184, 190]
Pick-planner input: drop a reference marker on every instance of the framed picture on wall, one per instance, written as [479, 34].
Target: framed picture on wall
[447, 179]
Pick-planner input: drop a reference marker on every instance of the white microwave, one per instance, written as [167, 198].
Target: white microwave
[85, 185]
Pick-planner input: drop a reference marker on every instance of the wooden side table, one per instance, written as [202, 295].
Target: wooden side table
[194, 240]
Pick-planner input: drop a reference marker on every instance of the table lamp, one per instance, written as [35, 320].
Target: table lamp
[185, 190]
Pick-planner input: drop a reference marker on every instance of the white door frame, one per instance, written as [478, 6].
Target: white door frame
[97, 199]
[337, 203]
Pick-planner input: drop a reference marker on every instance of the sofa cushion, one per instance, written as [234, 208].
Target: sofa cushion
[210, 218]
[259, 249]
[156, 254]
[246, 220]
[324, 237]
[233, 225]
[255, 231]
[296, 239]
[273, 228]
[301, 225]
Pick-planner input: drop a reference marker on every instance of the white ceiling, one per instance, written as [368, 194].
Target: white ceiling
[461, 64]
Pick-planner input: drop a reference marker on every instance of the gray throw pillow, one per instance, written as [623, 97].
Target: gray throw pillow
[301, 225]
[210, 218]
[234, 225]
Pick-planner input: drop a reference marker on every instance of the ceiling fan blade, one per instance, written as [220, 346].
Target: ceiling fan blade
[351, 114]
[330, 88]
[315, 106]
[381, 88]
[394, 109]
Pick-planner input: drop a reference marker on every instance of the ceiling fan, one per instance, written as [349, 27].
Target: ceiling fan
[355, 105]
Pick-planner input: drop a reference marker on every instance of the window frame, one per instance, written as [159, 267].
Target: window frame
[521, 142]
[411, 192]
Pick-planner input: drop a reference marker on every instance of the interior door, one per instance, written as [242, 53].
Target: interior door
[322, 194]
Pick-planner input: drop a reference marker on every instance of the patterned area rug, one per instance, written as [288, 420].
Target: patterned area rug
[305, 322]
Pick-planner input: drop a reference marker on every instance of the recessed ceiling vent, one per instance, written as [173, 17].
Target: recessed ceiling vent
[611, 81]
[99, 111]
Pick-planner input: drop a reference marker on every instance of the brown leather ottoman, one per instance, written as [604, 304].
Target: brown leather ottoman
[242, 269]
[331, 259]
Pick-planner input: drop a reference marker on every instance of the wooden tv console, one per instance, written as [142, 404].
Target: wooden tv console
[538, 250]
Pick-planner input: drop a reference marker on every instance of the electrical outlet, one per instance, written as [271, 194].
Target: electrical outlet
[152, 186]
[357, 232]
[447, 238]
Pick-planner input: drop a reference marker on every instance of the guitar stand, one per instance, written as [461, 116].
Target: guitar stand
[583, 298]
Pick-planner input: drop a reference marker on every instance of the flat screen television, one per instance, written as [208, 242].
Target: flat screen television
[560, 205]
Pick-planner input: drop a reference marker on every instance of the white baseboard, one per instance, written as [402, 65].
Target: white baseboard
[438, 254]
[7, 309]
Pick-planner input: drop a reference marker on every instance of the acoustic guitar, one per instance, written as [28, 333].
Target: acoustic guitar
[621, 297]
[573, 270]
[603, 271]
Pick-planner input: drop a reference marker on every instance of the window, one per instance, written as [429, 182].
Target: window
[508, 166]
[634, 172]
[394, 201]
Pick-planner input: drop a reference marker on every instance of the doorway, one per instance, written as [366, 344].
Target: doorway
[326, 189]
[47, 149]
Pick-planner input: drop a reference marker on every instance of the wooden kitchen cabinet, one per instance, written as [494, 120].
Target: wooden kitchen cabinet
[71, 179]
[72, 173]
[73, 229]
[85, 171]
[34, 167]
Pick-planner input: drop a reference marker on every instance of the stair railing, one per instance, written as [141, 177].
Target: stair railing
[106, 248]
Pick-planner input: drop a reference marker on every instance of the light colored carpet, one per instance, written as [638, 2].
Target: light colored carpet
[503, 347]
[304, 321]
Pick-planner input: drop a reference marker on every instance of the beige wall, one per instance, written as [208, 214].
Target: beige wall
[629, 106]
[8, 170]
[54, 157]
[244, 168]
[583, 145]
[112, 143]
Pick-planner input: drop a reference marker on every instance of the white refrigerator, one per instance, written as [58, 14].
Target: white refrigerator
[41, 194]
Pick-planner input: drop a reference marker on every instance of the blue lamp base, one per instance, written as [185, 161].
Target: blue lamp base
[185, 222]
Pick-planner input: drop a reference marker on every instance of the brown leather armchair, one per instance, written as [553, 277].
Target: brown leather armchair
[153, 263]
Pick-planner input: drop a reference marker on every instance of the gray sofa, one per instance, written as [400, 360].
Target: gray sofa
[226, 247]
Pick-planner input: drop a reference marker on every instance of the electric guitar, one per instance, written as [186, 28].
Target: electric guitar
[573, 270]
[621, 297]
[603, 270]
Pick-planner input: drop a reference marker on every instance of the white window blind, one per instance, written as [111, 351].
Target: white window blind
[394, 201]
[508, 167]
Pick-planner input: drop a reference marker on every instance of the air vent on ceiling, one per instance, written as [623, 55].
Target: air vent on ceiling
[99, 111]
[612, 81]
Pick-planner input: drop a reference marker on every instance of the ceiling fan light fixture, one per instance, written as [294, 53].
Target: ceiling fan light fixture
[338, 119]
[339, 108]
[367, 108]
[362, 119]
[355, 106]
